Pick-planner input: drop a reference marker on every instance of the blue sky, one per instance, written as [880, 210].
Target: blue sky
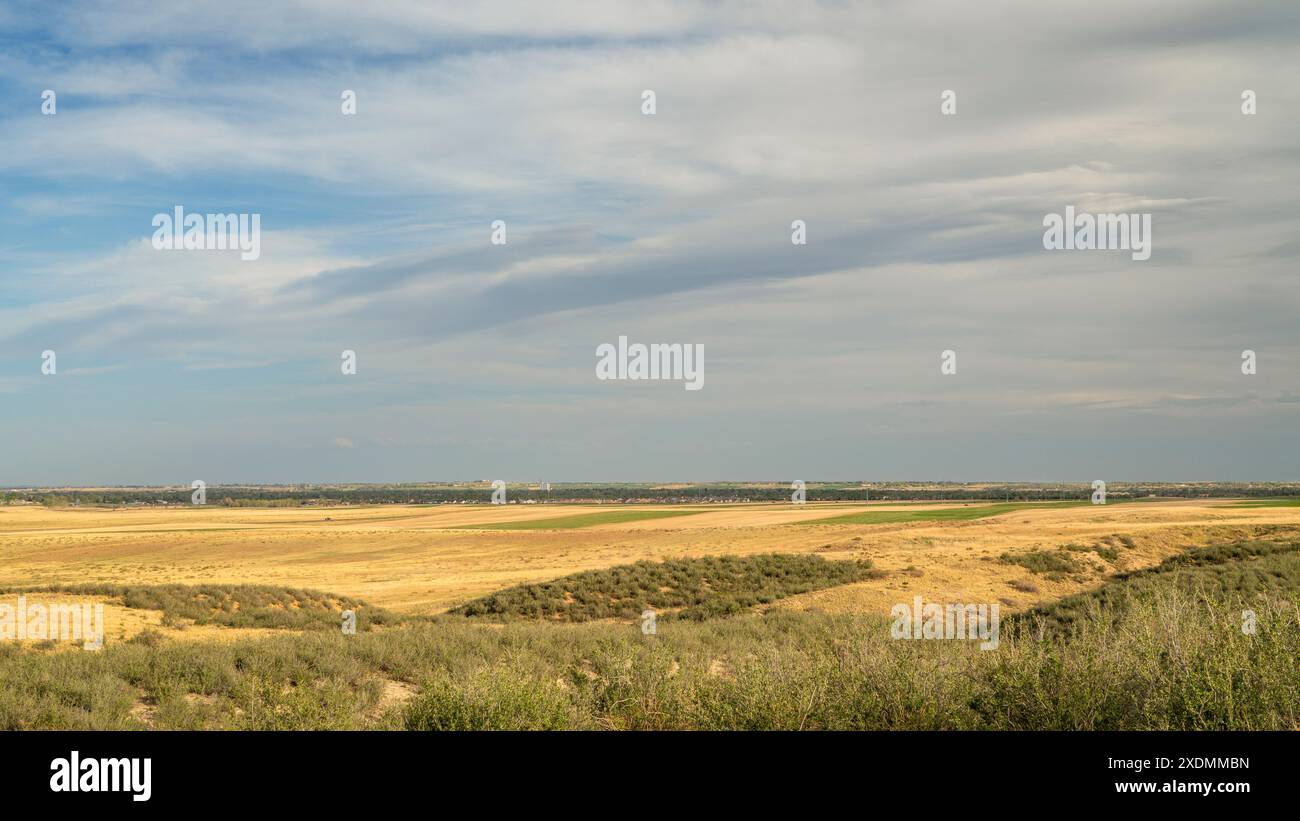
[477, 361]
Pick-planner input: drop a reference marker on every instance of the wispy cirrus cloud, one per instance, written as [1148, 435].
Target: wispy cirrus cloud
[924, 234]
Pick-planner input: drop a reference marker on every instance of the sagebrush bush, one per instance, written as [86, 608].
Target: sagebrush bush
[1043, 561]
[491, 699]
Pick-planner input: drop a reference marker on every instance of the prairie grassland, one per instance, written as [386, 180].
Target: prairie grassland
[421, 560]
[1123, 617]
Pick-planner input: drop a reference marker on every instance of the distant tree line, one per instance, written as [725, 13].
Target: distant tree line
[704, 493]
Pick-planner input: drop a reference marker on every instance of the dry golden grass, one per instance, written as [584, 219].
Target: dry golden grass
[414, 559]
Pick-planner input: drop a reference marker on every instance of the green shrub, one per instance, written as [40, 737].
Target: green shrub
[1043, 561]
[491, 700]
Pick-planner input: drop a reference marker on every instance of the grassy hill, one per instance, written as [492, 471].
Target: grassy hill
[685, 588]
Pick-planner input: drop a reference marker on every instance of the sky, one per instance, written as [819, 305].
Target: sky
[924, 233]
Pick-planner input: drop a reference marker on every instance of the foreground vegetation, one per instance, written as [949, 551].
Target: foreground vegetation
[1162, 649]
[1171, 661]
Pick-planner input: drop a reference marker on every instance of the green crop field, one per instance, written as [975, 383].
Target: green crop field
[876, 517]
[582, 520]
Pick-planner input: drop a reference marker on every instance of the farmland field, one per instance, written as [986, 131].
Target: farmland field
[428, 559]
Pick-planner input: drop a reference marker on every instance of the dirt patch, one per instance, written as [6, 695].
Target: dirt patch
[393, 694]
